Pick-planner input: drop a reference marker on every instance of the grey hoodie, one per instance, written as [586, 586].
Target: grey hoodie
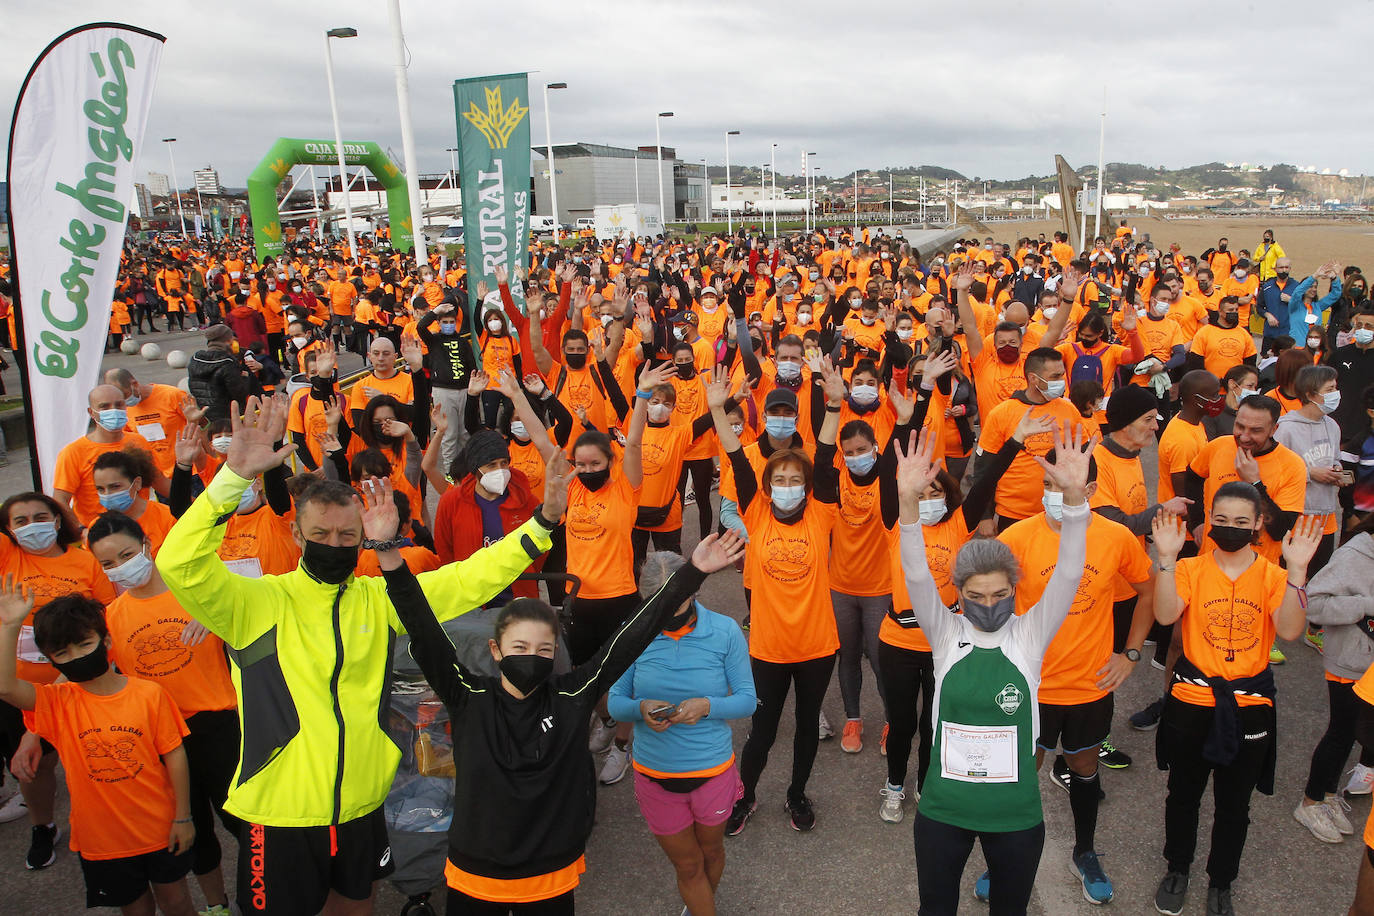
[1317, 442]
[1339, 597]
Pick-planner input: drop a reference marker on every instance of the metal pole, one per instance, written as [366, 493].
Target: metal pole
[200, 205]
[891, 212]
[338, 135]
[763, 189]
[417, 215]
[985, 201]
[729, 215]
[181, 215]
[1101, 140]
[658, 138]
[548, 148]
[856, 201]
[315, 197]
[806, 194]
[773, 170]
[452, 169]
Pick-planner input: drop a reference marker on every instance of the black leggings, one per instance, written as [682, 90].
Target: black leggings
[703, 471]
[1122, 612]
[908, 680]
[663, 540]
[460, 904]
[595, 620]
[942, 851]
[771, 682]
[212, 755]
[1329, 756]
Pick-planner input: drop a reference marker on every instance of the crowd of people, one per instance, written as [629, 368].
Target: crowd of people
[931, 461]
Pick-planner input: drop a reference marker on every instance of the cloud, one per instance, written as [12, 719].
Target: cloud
[987, 90]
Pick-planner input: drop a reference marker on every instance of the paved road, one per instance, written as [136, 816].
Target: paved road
[854, 863]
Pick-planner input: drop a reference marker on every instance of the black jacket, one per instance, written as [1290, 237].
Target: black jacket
[215, 378]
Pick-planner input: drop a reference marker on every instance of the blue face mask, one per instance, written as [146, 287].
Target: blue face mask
[785, 499]
[133, 572]
[120, 500]
[36, 536]
[113, 419]
[860, 465]
[780, 427]
[132, 400]
[1054, 389]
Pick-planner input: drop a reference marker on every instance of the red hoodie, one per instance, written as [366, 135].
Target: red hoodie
[249, 327]
[458, 523]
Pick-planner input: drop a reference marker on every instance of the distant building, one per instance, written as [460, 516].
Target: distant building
[159, 184]
[589, 174]
[143, 200]
[439, 199]
[207, 181]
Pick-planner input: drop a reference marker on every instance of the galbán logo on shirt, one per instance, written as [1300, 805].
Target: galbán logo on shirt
[1010, 699]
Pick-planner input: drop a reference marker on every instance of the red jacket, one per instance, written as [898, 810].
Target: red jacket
[249, 327]
[458, 523]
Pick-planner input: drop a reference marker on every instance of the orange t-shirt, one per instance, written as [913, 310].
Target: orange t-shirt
[598, 532]
[1159, 339]
[75, 571]
[259, 544]
[341, 297]
[74, 472]
[1084, 641]
[691, 404]
[792, 612]
[1020, 488]
[156, 521]
[859, 550]
[525, 457]
[145, 635]
[111, 749]
[498, 354]
[1240, 289]
[417, 559]
[1177, 448]
[159, 420]
[1111, 355]
[400, 386]
[994, 381]
[663, 450]
[1223, 348]
[1228, 627]
[943, 541]
[1282, 471]
[306, 416]
[1189, 314]
[1364, 689]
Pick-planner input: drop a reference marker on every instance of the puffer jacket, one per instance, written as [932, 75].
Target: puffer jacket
[1338, 600]
[215, 377]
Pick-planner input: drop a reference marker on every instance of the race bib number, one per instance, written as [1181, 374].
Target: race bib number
[153, 432]
[248, 567]
[976, 753]
[28, 649]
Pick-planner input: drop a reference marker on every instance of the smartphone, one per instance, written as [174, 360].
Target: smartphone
[664, 712]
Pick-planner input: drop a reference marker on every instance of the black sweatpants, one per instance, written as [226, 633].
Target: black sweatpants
[1232, 786]
[942, 851]
[1328, 759]
[908, 692]
[212, 755]
[702, 471]
[595, 620]
[663, 540]
[771, 682]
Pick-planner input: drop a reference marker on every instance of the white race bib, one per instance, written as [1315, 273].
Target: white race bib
[248, 567]
[153, 432]
[28, 649]
[978, 753]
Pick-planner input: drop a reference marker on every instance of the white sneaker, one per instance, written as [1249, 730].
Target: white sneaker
[891, 808]
[617, 764]
[13, 809]
[1316, 819]
[601, 735]
[826, 730]
[1361, 781]
[1336, 806]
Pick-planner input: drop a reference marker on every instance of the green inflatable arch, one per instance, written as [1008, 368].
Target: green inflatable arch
[288, 152]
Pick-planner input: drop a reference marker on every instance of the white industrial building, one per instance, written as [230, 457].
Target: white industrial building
[207, 181]
[159, 185]
[592, 174]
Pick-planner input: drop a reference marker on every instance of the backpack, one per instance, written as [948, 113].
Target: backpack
[1085, 366]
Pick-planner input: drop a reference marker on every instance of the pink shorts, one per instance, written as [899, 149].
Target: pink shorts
[668, 813]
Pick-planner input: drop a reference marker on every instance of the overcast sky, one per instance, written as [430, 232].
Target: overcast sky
[992, 90]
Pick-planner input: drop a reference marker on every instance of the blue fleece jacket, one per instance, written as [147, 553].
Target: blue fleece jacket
[711, 661]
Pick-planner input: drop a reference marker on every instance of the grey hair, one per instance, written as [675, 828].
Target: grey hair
[658, 569]
[982, 556]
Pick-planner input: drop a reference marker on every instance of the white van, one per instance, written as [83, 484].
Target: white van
[543, 225]
[454, 232]
[586, 222]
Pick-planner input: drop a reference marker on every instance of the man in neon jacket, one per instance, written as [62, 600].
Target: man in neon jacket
[311, 653]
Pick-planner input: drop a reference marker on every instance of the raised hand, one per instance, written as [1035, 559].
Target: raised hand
[1071, 460]
[477, 382]
[1301, 542]
[380, 519]
[438, 421]
[194, 633]
[413, 353]
[482, 290]
[963, 277]
[916, 466]
[717, 551]
[939, 364]
[558, 473]
[326, 359]
[1031, 425]
[334, 409]
[189, 445]
[501, 275]
[832, 380]
[1068, 286]
[396, 429]
[191, 411]
[16, 601]
[534, 383]
[654, 376]
[252, 450]
[902, 405]
[1169, 533]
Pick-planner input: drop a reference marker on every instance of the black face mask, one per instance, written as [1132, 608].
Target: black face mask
[1228, 321]
[329, 564]
[575, 360]
[526, 672]
[1282, 274]
[989, 617]
[687, 371]
[682, 617]
[86, 668]
[594, 480]
[1230, 538]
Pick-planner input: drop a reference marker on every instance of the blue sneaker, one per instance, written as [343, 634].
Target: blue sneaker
[982, 888]
[1097, 887]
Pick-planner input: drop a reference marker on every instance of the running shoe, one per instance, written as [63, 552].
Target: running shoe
[1276, 657]
[1111, 757]
[1219, 902]
[1097, 887]
[982, 888]
[1060, 772]
[1316, 819]
[852, 739]
[43, 846]
[615, 767]
[891, 808]
[739, 816]
[800, 811]
[882, 742]
[1147, 720]
[689, 498]
[1336, 807]
[1361, 781]
[1173, 891]
[601, 735]
[13, 809]
[1314, 638]
[825, 730]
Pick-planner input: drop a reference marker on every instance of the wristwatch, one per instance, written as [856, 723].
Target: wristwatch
[1132, 655]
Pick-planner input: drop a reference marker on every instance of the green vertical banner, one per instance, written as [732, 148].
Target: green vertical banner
[494, 174]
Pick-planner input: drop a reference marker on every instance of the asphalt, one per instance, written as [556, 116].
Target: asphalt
[853, 862]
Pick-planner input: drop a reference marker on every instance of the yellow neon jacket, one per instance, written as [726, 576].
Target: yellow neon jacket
[312, 662]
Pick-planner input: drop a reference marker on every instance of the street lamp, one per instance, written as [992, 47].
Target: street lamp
[180, 214]
[729, 214]
[338, 134]
[807, 184]
[658, 136]
[548, 148]
[773, 170]
[452, 167]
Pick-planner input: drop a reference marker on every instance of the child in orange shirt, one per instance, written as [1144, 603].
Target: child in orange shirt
[120, 742]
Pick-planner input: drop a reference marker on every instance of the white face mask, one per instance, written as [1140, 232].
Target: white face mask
[904, 333]
[864, 394]
[133, 572]
[221, 444]
[1054, 505]
[1330, 401]
[300, 342]
[785, 499]
[659, 413]
[1364, 336]
[495, 481]
[738, 428]
[494, 325]
[1245, 393]
[517, 429]
[803, 318]
[1049, 312]
[932, 510]
[1160, 307]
